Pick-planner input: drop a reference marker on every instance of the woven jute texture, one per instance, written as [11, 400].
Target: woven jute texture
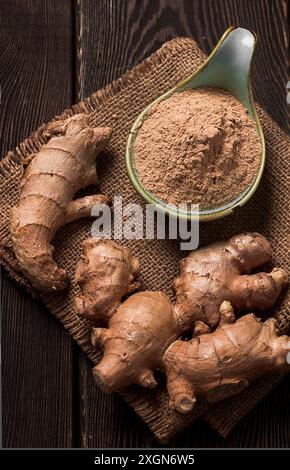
[117, 106]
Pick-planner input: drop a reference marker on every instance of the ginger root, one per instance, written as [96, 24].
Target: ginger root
[61, 168]
[105, 273]
[136, 337]
[221, 364]
[222, 272]
[140, 335]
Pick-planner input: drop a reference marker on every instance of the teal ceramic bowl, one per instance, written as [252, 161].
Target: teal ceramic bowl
[228, 67]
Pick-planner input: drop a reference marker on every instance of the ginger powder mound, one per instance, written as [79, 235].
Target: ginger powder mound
[198, 147]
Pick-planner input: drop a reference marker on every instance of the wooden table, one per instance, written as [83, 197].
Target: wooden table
[52, 54]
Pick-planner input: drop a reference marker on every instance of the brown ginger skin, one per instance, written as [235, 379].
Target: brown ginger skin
[222, 271]
[61, 168]
[134, 342]
[143, 326]
[223, 363]
[105, 273]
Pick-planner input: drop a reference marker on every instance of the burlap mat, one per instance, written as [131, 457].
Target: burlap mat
[118, 105]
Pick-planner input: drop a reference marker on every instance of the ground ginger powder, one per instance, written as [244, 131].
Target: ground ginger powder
[198, 147]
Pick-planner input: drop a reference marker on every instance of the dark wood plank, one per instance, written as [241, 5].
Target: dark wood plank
[267, 425]
[37, 375]
[36, 83]
[118, 34]
[111, 38]
[104, 420]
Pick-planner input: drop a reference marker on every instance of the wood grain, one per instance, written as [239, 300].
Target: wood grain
[36, 84]
[51, 54]
[104, 420]
[113, 36]
[267, 425]
[117, 34]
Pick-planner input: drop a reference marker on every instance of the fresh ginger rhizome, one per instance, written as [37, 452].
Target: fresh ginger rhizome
[144, 331]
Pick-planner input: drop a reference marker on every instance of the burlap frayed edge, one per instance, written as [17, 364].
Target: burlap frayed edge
[139, 402]
[218, 419]
[32, 144]
[19, 157]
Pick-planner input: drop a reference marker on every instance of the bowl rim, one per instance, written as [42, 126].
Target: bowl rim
[203, 215]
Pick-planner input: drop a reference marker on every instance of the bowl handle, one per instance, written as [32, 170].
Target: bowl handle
[228, 66]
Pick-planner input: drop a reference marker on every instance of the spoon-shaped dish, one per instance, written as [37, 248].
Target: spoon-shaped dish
[227, 67]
